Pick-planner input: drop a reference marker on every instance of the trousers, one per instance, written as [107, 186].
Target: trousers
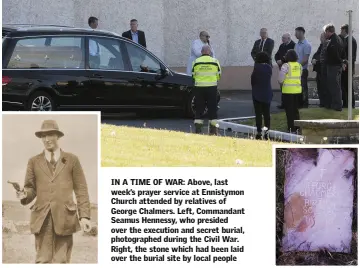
[303, 99]
[291, 103]
[205, 97]
[50, 247]
[262, 109]
[334, 86]
[344, 87]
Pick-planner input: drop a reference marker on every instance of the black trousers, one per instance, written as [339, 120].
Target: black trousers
[304, 99]
[333, 73]
[262, 110]
[321, 88]
[206, 97]
[291, 102]
[344, 87]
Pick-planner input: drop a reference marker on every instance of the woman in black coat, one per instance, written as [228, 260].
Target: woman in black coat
[262, 92]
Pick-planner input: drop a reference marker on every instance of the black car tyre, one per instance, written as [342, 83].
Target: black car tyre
[40, 101]
[190, 107]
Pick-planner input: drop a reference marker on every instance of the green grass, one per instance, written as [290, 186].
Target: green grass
[278, 120]
[135, 147]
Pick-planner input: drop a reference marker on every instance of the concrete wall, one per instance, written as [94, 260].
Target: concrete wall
[171, 25]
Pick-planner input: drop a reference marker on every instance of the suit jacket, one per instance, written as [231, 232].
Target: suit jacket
[316, 56]
[141, 37]
[54, 193]
[354, 48]
[268, 47]
[283, 48]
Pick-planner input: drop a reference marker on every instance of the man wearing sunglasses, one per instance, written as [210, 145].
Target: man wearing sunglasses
[195, 51]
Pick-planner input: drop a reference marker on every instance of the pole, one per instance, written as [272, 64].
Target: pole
[350, 63]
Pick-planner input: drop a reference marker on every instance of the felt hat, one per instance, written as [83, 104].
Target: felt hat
[47, 127]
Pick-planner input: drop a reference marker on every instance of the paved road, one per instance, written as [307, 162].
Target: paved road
[232, 104]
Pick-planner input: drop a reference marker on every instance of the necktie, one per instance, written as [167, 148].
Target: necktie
[262, 45]
[52, 161]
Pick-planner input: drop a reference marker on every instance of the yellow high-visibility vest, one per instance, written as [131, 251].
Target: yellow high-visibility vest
[206, 71]
[292, 82]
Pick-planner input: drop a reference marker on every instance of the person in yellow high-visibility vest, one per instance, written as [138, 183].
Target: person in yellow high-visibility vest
[290, 80]
[206, 72]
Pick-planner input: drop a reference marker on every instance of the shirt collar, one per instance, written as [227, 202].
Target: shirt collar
[134, 32]
[346, 36]
[57, 154]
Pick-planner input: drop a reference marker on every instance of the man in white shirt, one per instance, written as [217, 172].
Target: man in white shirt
[196, 48]
[94, 48]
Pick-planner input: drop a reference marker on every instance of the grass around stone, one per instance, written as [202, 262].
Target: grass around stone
[278, 120]
[142, 147]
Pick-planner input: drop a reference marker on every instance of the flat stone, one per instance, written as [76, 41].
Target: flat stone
[327, 123]
[319, 198]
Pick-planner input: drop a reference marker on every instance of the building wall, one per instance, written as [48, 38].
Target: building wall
[171, 25]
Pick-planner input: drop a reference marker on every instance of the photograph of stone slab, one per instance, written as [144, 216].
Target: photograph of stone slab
[318, 200]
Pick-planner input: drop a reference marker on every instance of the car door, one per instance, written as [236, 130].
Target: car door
[152, 85]
[107, 73]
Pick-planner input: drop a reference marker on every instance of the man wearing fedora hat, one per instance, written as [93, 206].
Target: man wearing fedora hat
[51, 178]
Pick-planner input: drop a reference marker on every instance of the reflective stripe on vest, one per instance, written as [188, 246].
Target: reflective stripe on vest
[206, 71]
[292, 82]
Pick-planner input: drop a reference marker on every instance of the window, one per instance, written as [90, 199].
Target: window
[141, 61]
[105, 53]
[49, 53]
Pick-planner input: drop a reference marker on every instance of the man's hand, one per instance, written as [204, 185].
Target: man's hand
[279, 62]
[313, 62]
[85, 225]
[21, 195]
[344, 66]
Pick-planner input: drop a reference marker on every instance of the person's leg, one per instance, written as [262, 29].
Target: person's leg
[258, 115]
[320, 89]
[334, 80]
[199, 108]
[62, 248]
[288, 102]
[353, 85]
[324, 86]
[211, 98]
[266, 114]
[344, 88]
[296, 112]
[44, 242]
[305, 89]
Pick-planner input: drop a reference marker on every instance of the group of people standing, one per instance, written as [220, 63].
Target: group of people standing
[330, 62]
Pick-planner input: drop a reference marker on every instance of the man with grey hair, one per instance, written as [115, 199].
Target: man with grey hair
[286, 44]
[265, 44]
[206, 72]
[335, 59]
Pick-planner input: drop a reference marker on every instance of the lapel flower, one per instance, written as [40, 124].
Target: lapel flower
[63, 160]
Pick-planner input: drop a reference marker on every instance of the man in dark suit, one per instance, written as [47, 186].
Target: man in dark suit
[134, 34]
[263, 44]
[344, 34]
[287, 44]
[51, 178]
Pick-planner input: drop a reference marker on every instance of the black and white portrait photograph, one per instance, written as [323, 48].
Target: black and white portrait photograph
[49, 188]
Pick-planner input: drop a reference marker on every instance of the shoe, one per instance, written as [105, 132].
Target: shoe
[213, 130]
[266, 135]
[198, 128]
[258, 136]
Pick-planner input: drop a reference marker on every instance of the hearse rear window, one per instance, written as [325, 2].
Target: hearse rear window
[48, 53]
